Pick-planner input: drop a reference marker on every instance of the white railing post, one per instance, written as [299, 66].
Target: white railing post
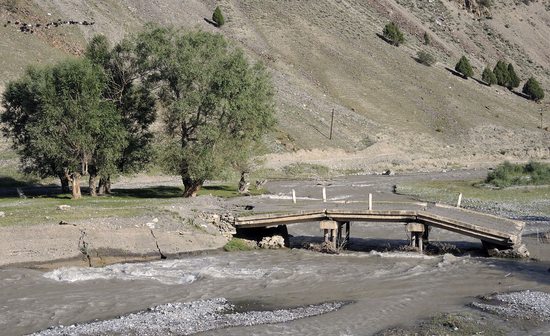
[293, 196]
[370, 202]
[459, 200]
[324, 194]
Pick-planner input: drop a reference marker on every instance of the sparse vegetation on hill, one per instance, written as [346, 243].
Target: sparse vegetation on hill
[217, 17]
[488, 76]
[425, 58]
[393, 34]
[513, 81]
[532, 89]
[463, 66]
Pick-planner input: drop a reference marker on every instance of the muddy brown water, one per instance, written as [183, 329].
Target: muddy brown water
[386, 287]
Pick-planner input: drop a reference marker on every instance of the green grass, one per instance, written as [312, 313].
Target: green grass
[237, 244]
[475, 192]
[508, 174]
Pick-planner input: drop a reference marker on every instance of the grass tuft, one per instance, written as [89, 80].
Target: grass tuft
[237, 244]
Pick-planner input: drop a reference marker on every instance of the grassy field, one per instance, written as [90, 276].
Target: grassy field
[526, 198]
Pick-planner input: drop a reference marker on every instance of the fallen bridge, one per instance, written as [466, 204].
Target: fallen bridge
[419, 218]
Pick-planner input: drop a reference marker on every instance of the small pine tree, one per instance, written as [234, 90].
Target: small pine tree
[463, 66]
[513, 80]
[488, 76]
[501, 73]
[217, 17]
[393, 34]
[533, 90]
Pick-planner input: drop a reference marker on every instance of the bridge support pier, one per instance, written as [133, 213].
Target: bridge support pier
[418, 233]
[335, 233]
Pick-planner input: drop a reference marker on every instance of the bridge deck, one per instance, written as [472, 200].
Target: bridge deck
[496, 230]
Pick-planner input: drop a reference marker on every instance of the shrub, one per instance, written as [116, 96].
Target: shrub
[533, 90]
[513, 79]
[463, 66]
[217, 17]
[426, 38]
[393, 34]
[488, 76]
[425, 58]
[501, 73]
[486, 3]
[238, 244]
[509, 174]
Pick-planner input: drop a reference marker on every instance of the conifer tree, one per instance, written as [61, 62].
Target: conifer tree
[217, 17]
[533, 90]
[463, 66]
[488, 76]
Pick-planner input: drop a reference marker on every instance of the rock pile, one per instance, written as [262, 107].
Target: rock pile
[274, 242]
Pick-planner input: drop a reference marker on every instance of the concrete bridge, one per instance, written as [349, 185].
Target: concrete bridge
[418, 217]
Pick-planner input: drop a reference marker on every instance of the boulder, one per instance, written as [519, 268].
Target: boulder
[518, 252]
[274, 242]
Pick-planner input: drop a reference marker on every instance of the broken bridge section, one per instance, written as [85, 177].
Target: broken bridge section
[493, 231]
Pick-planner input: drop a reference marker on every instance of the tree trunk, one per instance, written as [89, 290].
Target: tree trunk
[191, 186]
[243, 183]
[105, 185]
[75, 184]
[92, 182]
[64, 183]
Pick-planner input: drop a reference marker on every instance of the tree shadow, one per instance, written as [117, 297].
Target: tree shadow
[521, 94]
[150, 192]
[479, 81]
[385, 39]
[211, 22]
[456, 73]
[11, 187]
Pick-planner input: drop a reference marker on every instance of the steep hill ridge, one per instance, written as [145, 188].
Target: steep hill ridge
[390, 111]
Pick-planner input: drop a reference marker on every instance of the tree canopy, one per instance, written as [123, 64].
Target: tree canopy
[533, 89]
[463, 66]
[217, 106]
[392, 33]
[488, 76]
[60, 121]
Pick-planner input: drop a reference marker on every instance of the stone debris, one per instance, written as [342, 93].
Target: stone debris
[275, 242]
[63, 207]
[529, 305]
[188, 318]
[2, 214]
[520, 252]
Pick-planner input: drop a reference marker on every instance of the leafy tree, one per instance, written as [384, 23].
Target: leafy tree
[217, 17]
[392, 33]
[513, 79]
[60, 123]
[134, 102]
[217, 105]
[463, 66]
[488, 76]
[425, 58]
[533, 89]
[501, 73]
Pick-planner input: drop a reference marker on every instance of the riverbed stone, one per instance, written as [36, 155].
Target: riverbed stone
[274, 242]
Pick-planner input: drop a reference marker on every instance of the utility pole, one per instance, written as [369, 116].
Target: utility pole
[331, 124]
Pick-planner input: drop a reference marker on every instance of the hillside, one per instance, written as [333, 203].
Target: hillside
[390, 111]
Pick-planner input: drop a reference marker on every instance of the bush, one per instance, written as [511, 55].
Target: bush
[425, 58]
[501, 73]
[393, 34]
[217, 17]
[513, 79]
[237, 244]
[509, 174]
[488, 76]
[463, 66]
[426, 38]
[533, 90]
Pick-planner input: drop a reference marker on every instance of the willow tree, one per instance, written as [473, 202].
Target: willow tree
[59, 121]
[217, 106]
[126, 87]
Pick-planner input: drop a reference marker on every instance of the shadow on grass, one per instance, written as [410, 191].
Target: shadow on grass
[152, 192]
[10, 182]
[387, 40]
[456, 73]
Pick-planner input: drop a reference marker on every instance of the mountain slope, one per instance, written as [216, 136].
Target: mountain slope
[390, 111]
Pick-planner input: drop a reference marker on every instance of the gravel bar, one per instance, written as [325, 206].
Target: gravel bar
[187, 319]
[529, 305]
